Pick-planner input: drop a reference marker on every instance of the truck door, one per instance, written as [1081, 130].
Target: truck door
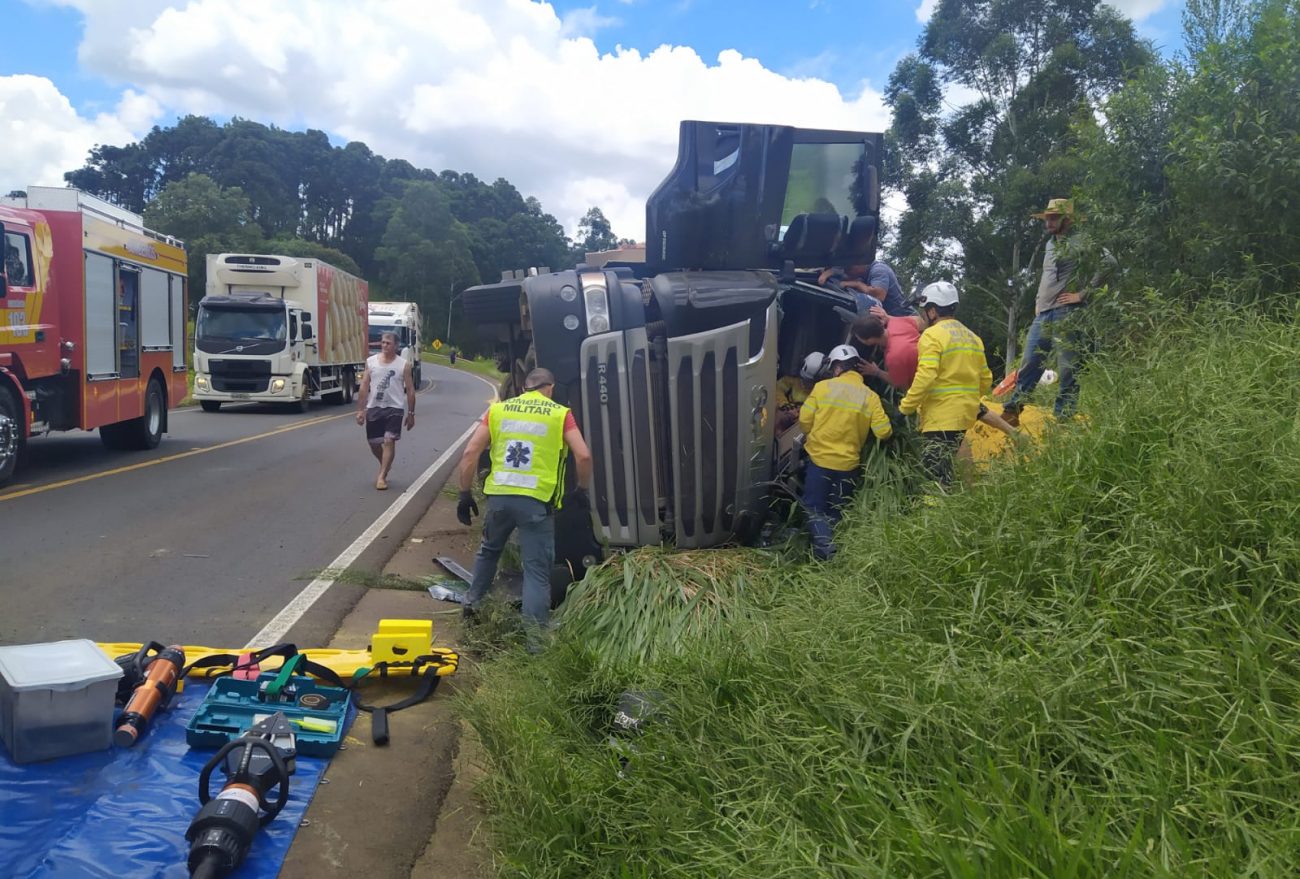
[128, 321]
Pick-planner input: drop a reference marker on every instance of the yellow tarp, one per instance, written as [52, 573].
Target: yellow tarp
[986, 443]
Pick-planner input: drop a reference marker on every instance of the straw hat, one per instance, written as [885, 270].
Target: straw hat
[1057, 207]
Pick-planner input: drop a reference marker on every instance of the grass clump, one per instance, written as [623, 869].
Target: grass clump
[640, 605]
[1088, 664]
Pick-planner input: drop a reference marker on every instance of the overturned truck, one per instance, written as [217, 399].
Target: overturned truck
[671, 366]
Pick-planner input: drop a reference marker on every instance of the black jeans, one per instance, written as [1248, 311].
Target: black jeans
[938, 449]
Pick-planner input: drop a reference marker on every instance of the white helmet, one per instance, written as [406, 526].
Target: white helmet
[842, 353]
[812, 366]
[939, 293]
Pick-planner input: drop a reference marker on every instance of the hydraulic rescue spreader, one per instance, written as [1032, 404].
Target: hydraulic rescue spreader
[255, 764]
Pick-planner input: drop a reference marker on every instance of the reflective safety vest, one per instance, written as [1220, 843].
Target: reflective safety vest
[528, 451]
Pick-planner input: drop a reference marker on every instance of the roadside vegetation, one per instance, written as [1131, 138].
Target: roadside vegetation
[1087, 664]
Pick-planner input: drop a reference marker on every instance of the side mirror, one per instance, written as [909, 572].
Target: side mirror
[306, 331]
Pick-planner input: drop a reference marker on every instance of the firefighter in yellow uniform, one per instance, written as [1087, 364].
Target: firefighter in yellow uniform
[951, 376]
[530, 437]
[836, 418]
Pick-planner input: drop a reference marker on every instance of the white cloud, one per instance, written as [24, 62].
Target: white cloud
[925, 10]
[1138, 10]
[499, 88]
[585, 22]
[45, 136]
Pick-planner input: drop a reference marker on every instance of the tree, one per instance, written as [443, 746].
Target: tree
[426, 254]
[208, 218]
[595, 233]
[1196, 164]
[972, 177]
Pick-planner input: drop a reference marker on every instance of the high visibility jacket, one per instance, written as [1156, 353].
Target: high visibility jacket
[790, 391]
[951, 376]
[528, 451]
[836, 418]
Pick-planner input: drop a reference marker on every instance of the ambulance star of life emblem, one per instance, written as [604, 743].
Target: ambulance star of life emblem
[518, 454]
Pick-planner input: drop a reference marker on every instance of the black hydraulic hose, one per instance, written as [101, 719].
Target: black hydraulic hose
[208, 868]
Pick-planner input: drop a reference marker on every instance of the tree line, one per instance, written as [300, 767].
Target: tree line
[1184, 168]
[415, 234]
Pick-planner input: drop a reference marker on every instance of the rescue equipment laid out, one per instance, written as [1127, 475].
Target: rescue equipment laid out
[398, 648]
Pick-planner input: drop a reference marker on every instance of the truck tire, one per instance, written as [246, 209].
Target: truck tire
[210, 405]
[349, 385]
[141, 433]
[13, 438]
[304, 402]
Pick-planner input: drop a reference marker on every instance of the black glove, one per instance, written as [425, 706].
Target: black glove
[465, 507]
[579, 499]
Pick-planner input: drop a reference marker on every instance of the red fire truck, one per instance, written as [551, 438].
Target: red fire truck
[92, 322]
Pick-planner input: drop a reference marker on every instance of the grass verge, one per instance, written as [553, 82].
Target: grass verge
[1085, 665]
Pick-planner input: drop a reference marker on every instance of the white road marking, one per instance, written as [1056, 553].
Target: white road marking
[274, 631]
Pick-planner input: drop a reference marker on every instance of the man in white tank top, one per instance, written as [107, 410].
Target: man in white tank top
[387, 393]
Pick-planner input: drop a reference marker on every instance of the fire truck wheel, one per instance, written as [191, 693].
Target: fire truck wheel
[141, 433]
[210, 405]
[12, 441]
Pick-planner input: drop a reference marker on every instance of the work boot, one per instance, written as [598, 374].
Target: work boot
[1011, 414]
[469, 616]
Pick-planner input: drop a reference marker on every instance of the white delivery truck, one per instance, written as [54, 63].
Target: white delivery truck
[402, 318]
[278, 329]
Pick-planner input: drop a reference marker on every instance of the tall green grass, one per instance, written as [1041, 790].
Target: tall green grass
[1086, 665]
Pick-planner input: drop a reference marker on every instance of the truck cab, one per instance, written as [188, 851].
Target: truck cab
[277, 329]
[671, 365]
[402, 319]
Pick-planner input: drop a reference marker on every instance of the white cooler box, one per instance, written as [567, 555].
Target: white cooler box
[56, 699]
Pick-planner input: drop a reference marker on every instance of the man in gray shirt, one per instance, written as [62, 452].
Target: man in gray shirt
[1059, 295]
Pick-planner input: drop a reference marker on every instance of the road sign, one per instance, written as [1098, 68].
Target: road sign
[437, 344]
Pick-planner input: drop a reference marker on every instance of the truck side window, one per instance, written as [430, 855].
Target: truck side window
[18, 260]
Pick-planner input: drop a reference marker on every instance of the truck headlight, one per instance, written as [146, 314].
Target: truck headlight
[597, 302]
[277, 385]
[201, 382]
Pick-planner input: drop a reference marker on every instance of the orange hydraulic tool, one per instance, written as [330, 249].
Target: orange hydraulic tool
[153, 693]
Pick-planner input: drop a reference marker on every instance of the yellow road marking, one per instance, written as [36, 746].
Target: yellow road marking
[248, 439]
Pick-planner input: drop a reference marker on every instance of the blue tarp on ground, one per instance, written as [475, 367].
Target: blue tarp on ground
[124, 812]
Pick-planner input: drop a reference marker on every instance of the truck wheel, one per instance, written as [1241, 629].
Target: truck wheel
[349, 386]
[140, 433]
[210, 405]
[12, 439]
[304, 402]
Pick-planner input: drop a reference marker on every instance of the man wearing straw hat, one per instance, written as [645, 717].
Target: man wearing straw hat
[1059, 296]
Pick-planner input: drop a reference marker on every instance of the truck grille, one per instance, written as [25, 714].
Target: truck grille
[240, 376]
[618, 417]
[705, 402]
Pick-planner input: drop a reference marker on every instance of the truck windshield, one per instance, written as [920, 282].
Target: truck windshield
[825, 178]
[259, 330]
[377, 330]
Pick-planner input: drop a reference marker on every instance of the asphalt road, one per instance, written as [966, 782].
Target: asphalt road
[207, 538]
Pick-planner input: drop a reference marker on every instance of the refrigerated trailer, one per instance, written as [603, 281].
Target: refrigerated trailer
[92, 322]
[278, 329]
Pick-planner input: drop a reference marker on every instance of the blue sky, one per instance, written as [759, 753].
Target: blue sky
[575, 102]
